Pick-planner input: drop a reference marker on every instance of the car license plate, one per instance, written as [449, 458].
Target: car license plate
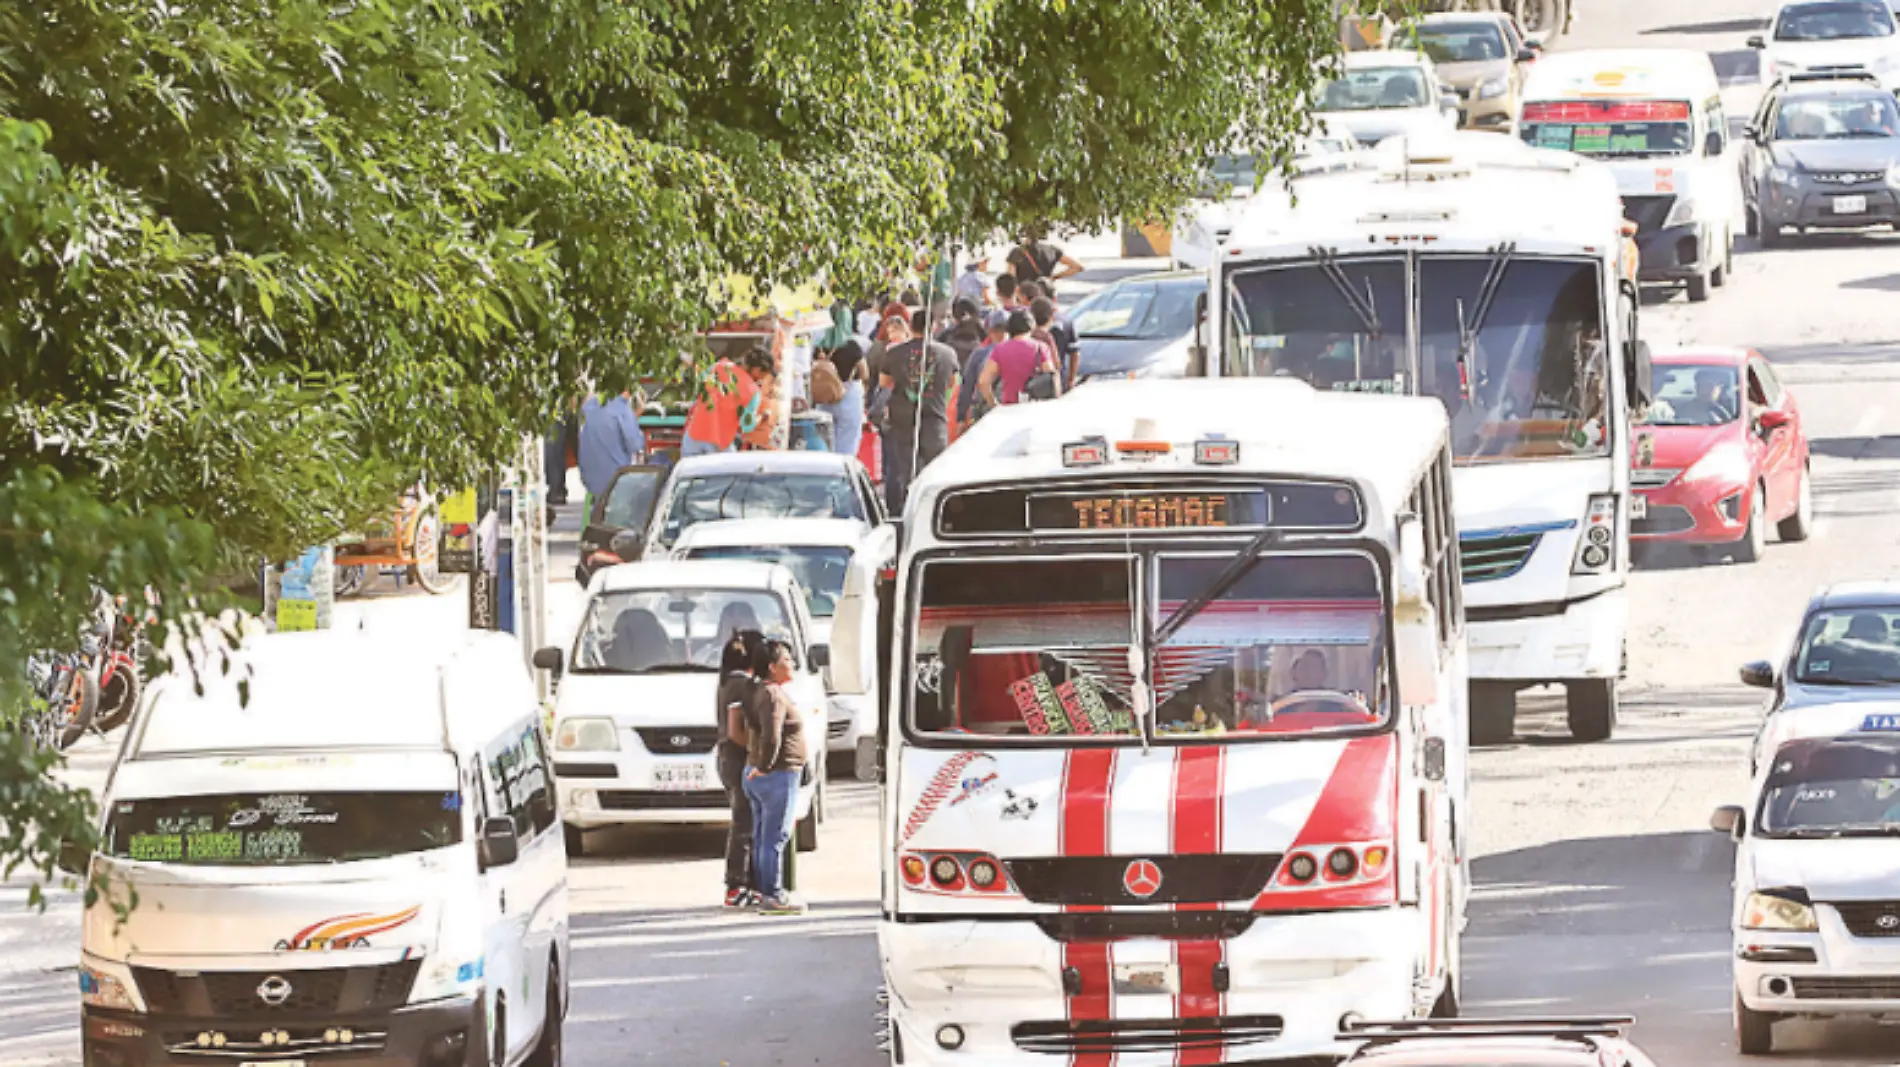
[1850, 205]
[1147, 979]
[680, 778]
[1639, 507]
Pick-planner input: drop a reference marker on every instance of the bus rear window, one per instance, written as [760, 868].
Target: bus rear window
[278, 829]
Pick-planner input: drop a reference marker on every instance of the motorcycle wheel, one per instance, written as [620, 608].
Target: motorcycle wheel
[119, 696]
[80, 705]
[349, 580]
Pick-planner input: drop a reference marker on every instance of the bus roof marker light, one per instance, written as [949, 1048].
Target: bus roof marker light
[1088, 452]
[1217, 452]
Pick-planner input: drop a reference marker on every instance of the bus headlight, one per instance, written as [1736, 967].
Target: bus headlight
[1596, 549]
[1765, 911]
[97, 989]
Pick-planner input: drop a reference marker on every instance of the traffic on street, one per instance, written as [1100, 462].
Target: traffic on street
[1438, 603]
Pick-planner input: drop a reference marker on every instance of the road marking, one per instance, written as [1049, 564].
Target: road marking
[647, 979]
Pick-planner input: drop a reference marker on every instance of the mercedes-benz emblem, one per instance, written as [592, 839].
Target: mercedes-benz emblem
[1142, 879]
[1888, 922]
[680, 741]
[273, 990]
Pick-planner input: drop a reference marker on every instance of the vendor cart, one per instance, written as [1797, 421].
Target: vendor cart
[405, 545]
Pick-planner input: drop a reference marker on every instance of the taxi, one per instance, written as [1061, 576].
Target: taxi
[1816, 914]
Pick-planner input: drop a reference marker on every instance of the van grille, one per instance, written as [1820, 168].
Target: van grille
[1847, 987]
[659, 800]
[1485, 559]
[1870, 918]
[235, 994]
[679, 740]
[1648, 212]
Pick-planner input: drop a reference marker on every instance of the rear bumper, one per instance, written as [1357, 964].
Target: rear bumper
[987, 978]
[1533, 644]
[445, 1033]
[1702, 515]
[1675, 253]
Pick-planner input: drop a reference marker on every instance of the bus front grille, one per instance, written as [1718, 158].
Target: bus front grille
[1487, 559]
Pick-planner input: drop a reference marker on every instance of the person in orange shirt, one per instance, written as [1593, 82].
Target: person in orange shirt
[731, 404]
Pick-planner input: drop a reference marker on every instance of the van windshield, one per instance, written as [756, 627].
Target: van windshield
[282, 829]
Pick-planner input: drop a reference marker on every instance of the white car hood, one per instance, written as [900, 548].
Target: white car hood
[1846, 868]
[1377, 125]
[1862, 51]
[641, 699]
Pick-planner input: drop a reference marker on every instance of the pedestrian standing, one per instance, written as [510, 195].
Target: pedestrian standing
[1014, 363]
[847, 414]
[921, 379]
[737, 698]
[554, 456]
[1037, 259]
[610, 439]
[973, 285]
[996, 331]
[1006, 294]
[775, 761]
[1060, 338]
[730, 403]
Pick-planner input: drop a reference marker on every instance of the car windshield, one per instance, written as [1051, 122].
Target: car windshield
[1838, 118]
[1610, 129]
[712, 497]
[280, 829]
[1850, 646]
[1138, 311]
[1694, 394]
[820, 569]
[1834, 21]
[669, 631]
[1532, 383]
[1833, 787]
[1230, 174]
[1040, 648]
[1374, 89]
[1454, 42]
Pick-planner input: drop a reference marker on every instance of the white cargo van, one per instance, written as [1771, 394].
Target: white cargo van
[1654, 116]
[337, 852]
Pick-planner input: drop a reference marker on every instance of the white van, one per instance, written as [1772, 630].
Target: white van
[1655, 118]
[337, 852]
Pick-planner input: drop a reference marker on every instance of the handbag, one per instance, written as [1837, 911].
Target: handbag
[1040, 387]
[826, 386]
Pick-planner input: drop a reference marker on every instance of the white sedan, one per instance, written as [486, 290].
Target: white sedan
[1387, 94]
[1229, 187]
[819, 553]
[1816, 916]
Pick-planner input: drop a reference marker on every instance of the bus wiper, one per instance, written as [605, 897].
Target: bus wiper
[1368, 314]
[1236, 569]
[1487, 293]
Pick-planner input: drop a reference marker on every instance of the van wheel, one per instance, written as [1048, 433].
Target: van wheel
[1751, 222]
[547, 1051]
[1698, 288]
[576, 840]
[1493, 712]
[1800, 524]
[805, 835]
[1590, 708]
[1754, 1030]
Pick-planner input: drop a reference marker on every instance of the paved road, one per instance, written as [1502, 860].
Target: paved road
[1598, 886]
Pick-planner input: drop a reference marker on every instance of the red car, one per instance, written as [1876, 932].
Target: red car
[1721, 455]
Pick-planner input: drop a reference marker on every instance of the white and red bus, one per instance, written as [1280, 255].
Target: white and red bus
[1174, 742]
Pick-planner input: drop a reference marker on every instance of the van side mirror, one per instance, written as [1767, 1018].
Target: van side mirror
[1759, 674]
[1729, 819]
[499, 845]
[1757, 42]
[74, 858]
[1434, 759]
[1527, 55]
[1197, 348]
[820, 657]
[548, 659]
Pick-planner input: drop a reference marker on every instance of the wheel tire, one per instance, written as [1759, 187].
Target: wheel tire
[1754, 1030]
[1446, 1006]
[80, 708]
[1590, 708]
[1539, 16]
[575, 839]
[1798, 526]
[548, 1047]
[1493, 713]
[1771, 236]
[1751, 222]
[118, 698]
[1754, 542]
[349, 580]
[427, 570]
[805, 834]
[1698, 288]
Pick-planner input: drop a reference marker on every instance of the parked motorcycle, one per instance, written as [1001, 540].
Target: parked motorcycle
[122, 637]
[70, 695]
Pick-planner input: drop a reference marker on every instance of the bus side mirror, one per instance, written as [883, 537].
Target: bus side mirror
[1729, 819]
[1197, 350]
[1638, 372]
[1434, 759]
[499, 845]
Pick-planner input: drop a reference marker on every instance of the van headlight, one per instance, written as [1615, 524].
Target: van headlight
[97, 989]
[1682, 214]
[1596, 549]
[446, 977]
[1492, 88]
[1765, 911]
[586, 735]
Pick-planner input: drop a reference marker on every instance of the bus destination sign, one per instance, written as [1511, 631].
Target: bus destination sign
[1125, 510]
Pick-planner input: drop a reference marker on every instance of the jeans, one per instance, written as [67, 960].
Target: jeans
[554, 456]
[739, 834]
[693, 446]
[774, 798]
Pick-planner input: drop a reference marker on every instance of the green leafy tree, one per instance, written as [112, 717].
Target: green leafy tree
[265, 262]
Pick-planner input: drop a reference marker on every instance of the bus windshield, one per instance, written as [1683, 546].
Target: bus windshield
[1040, 649]
[1523, 375]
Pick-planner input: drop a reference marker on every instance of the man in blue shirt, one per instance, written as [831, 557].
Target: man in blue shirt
[996, 331]
[610, 439]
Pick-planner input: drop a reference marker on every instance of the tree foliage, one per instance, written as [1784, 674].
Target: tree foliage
[263, 262]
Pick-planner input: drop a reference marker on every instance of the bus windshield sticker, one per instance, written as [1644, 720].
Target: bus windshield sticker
[1553, 135]
[1041, 708]
[1072, 707]
[1592, 139]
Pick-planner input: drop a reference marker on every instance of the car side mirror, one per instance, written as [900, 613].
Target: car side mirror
[1758, 42]
[820, 657]
[1434, 759]
[1758, 674]
[1197, 348]
[1527, 55]
[1774, 420]
[548, 659]
[628, 545]
[499, 846]
[73, 858]
[1752, 132]
[1729, 819]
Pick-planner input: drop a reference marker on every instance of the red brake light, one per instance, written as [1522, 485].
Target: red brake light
[1608, 111]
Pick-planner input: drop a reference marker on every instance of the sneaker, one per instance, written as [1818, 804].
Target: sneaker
[741, 898]
[780, 905]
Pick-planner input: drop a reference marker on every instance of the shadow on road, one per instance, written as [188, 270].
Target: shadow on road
[1700, 28]
[1729, 712]
[1855, 354]
[1875, 447]
[1880, 283]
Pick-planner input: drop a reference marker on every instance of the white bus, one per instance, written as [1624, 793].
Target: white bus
[1174, 750]
[1495, 277]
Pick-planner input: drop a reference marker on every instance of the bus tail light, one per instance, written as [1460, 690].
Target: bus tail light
[913, 867]
[1215, 452]
[946, 873]
[956, 873]
[1596, 549]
